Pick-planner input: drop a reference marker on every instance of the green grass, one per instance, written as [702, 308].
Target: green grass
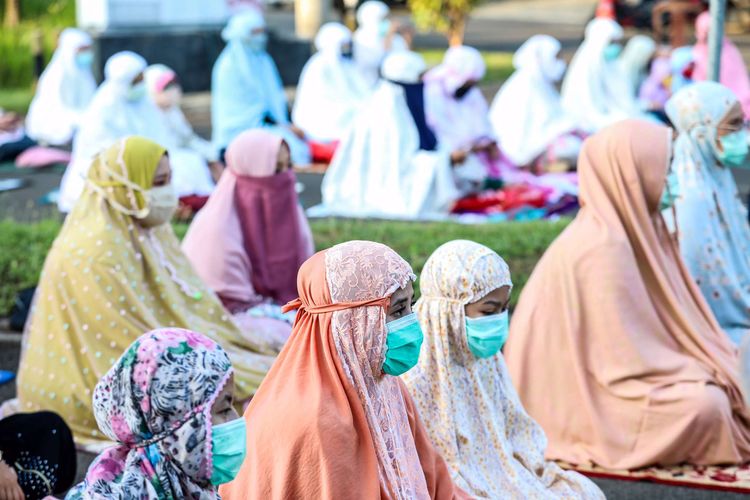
[499, 64]
[23, 247]
[17, 100]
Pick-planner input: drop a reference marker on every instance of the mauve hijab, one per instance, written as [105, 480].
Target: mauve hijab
[251, 237]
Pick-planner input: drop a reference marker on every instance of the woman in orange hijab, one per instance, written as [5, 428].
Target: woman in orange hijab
[332, 419]
[612, 347]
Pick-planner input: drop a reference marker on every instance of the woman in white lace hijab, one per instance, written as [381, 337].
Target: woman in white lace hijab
[462, 388]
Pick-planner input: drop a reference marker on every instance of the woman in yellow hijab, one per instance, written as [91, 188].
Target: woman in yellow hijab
[115, 271]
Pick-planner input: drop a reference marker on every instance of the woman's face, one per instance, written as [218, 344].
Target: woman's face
[223, 409]
[732, 122]
[495, 302]
[163, 174]
[284, 159]
[401, 302]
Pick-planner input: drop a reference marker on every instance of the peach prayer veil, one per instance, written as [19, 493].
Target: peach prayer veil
[327, 422]
[612, 347]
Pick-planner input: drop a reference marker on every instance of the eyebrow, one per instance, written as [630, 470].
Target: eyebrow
[493, 303]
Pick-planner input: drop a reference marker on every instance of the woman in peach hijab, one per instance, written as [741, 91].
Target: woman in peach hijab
[612, 347]
[250, 239]
[332, 419]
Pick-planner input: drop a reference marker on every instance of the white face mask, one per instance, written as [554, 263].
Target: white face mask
[136, 92]
[162, 202]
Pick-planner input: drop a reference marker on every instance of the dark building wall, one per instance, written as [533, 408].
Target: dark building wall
[191, 52]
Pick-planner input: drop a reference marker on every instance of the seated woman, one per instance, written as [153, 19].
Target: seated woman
[258, 232]
[64, 90]
[391, 164]
[611, 330]
[331, 90]
[121, 107]
[375, 37]
[533, 128]
[246, 89]
[711, 221]
[457, 111]
[167, 404]
[733, 69]
[461, 385]
[595, 90]
[332, 419]
[165, 90]
[114, 271]
[37, 456]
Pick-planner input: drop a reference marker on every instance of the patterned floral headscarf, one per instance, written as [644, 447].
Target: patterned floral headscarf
[155, 402]
[472, 412]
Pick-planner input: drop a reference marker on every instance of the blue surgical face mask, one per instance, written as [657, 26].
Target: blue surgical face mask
[734, 149]
[384, 27]
[85, 59]
[137, 92]
[257, 42]
[403, 343]
[487, 335]
[228, 444]
[671, 191]
[612, 51]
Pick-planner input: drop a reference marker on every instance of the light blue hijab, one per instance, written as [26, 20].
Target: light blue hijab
[246, 88]
[711, 221]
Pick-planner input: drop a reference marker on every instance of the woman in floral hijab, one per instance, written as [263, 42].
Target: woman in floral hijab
[161, 403]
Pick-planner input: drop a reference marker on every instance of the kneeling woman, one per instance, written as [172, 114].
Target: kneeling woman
[258, 234]
[612, 347]
[167, 403]
[462, 388]
[331, 419]
[115, 271]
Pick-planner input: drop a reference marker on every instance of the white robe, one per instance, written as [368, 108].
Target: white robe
[379, 170]
[595, 91]
[331, 91]
[63, 93]
[527, 114]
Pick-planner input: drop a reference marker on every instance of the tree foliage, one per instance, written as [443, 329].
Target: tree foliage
[445, 16]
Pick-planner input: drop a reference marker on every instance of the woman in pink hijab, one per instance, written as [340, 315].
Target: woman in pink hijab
[733, 69]
[252, 236]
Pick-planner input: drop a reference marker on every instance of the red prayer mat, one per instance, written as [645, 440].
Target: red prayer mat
[734, 478]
